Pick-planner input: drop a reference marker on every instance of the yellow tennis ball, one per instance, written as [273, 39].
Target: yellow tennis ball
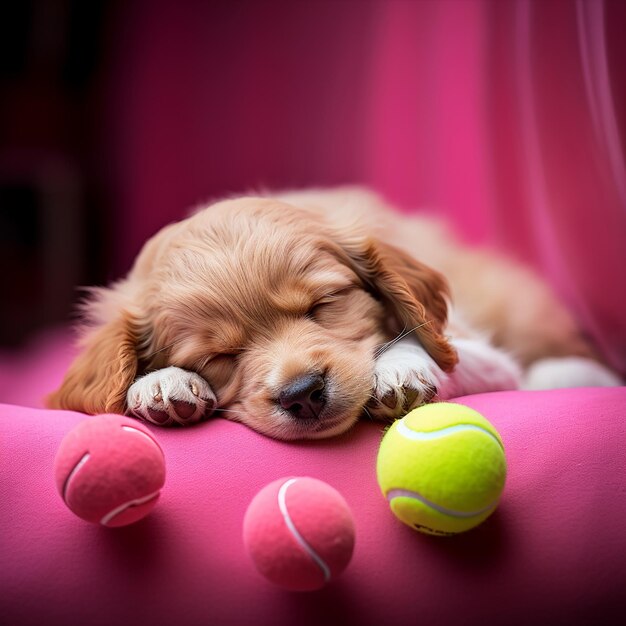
[442, 468]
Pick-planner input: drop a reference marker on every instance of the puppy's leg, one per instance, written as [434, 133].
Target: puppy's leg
[481, 368]
[170, 396]
[525, 317]
[573, 371]
[405, 376]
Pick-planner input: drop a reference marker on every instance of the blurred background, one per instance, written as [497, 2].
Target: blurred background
[506, 117]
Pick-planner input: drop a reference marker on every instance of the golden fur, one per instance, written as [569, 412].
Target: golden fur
[252, 292]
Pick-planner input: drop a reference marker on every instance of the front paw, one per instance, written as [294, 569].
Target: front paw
[402, 381]
[170, 396]
[392, 401]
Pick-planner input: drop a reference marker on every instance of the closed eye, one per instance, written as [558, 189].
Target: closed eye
[325, 302]
[219, 369]
[216, 358]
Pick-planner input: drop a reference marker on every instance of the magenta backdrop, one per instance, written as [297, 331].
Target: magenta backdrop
[506, 117]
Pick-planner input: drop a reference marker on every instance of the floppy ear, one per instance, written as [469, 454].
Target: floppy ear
[415, 293]
[98, 379]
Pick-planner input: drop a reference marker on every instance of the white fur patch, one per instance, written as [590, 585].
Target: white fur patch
[406, 364]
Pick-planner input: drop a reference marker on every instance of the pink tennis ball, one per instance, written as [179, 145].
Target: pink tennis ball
[299, 533]
[109, 470]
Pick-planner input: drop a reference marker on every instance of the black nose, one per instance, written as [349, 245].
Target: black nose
[304, 396]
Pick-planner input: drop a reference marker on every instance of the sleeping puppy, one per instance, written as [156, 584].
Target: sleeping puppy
[298, 313]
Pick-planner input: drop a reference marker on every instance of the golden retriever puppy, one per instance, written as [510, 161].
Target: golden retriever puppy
[299, 312]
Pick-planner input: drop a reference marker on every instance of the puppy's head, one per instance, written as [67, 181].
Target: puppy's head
[280, 312]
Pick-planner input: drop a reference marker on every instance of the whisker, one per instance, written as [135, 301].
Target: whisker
[402, 335]
[368, 413]
[147, 356]
[381, 346]
[225, 411]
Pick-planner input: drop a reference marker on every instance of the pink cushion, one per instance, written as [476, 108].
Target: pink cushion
[554, 551]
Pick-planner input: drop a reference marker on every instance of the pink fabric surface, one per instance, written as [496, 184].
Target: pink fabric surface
[507, 118]
[554, 552]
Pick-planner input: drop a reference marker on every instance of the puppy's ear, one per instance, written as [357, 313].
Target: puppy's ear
[415, 293]
[98, 379]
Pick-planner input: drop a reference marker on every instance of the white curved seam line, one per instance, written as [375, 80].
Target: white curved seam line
[282, 505]
[132, 429]
[416, 435]
[73, 473]
[136, 502]
[405, 493]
